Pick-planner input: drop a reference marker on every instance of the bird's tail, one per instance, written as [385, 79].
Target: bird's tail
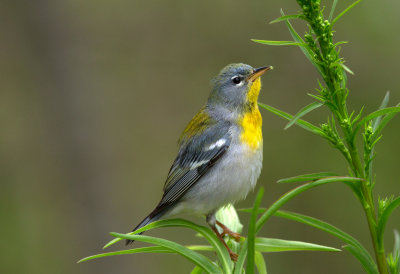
[152, 217]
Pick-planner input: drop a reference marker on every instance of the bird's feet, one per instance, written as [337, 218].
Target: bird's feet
[227, 231]
[233, 255]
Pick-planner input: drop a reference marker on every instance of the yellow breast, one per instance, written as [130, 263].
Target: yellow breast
[251, 129]
[251, 121]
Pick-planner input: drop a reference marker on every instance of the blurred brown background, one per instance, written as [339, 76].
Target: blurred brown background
[94, 95]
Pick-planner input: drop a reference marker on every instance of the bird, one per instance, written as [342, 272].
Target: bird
[220, 152]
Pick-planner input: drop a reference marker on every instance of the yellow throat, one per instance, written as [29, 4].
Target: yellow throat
[251, 121]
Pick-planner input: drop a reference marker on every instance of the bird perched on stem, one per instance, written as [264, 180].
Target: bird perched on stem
[220, 152]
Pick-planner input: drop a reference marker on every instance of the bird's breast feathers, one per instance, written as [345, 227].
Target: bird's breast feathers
[251, 124]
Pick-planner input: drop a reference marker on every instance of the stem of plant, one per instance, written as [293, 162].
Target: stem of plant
[369, 208]
[319, 41]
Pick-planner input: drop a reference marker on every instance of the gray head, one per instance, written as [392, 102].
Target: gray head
[236, 87]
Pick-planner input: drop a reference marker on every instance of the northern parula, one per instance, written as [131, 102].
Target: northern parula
[220, 152]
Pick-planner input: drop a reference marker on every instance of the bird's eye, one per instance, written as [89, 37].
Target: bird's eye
[236, 80]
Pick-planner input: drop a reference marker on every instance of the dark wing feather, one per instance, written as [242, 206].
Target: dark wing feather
[202, 144]
[195, 158]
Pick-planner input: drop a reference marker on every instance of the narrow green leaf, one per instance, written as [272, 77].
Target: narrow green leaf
[198, 259]
[287, 17]
[369, 266]
[301, 123]
[260, 263]
[395, 262]
[293, 193]
[241, 259]
[279, 245]
[276, 43]
[340, 43]
[250, 210]
[321, 225]
[385, 120]
[376, 121]
[252, 233]
[396, 246]
[302, 112]
[305, 49]
[345, 11]
[358, 117]
[148, 249]
[357, 249]
[316, 97]
[346, 68]
[383, 218]
[200, 247]
[307, 177]
[219, 248]
[197, 270]
[375, 133]
[278, 204]
[332, 10]
[369, 117]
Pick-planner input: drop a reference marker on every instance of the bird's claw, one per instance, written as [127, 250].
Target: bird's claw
[227, 231]
[233, 255]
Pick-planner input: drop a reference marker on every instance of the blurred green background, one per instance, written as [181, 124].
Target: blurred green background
[94, 95]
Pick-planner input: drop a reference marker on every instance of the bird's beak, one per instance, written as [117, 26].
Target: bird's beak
[258, 72]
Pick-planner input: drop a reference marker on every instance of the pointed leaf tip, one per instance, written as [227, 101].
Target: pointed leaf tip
[302, 112]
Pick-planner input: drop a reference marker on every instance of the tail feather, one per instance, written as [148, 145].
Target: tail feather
[154, 216]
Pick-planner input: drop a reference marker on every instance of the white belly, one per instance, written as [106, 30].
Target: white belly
[230, 180]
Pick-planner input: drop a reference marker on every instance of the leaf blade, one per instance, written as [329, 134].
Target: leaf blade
[376, 121]
[383, 218]
[361, 254]
[298, 190]
[307, 177]
[301, 123]
[260, 263]
[273, 208]
[280, 245]
[286, 17]
[369, 266]
[252, 233]
[302, 112]
[197, 270]
[305, 49]
[332, 10]
[241, 259]
[375, 114]
[219, 248]
[385, 120]
[148, 249]
[197, 258]
[345, 11]
[276, 43]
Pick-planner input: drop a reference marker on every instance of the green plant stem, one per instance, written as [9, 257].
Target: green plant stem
[367, 203]
[371, 218]
[334, 78]
[367, 198]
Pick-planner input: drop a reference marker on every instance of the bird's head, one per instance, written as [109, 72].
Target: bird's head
[237, 87]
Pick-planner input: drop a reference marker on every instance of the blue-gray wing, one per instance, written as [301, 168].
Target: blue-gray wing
[195, 159]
